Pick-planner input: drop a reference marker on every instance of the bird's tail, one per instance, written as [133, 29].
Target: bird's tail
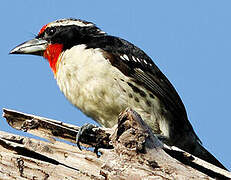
[200, 152]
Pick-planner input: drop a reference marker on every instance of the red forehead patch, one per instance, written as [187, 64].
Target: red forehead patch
[43, 29]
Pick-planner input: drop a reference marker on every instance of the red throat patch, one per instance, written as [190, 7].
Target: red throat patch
[52, 54]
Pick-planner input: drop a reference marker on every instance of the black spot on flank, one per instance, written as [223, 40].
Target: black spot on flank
[137, 90]
[136, 99]
[130, 95]
[142, 93]
[134, 88]
[124, 90]
[151, 96]
[148, 103]
[122, 80]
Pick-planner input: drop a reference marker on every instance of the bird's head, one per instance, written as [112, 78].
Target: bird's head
[58, 36]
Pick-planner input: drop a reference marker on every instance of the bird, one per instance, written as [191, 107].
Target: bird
[102, 75]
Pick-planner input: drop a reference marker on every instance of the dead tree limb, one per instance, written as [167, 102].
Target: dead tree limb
[129, 151]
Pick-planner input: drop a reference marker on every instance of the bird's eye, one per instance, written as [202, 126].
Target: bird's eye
[51, 31]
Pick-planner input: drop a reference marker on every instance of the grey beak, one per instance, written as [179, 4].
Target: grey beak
[34, 46]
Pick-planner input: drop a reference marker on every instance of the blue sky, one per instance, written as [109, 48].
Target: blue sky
[190, 42]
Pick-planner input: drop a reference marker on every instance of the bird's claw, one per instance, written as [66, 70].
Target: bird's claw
[85, 130]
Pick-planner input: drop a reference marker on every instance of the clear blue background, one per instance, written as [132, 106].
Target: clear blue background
[190, 41]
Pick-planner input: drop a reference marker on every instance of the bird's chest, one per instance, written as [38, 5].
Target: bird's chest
[88, 81]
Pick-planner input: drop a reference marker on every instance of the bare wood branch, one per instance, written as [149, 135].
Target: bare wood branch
[39, 126]
[137, 153]
[51, 129]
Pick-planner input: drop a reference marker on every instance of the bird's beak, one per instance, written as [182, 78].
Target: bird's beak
[35, 46]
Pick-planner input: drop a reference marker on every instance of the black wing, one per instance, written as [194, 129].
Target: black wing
[134, 63]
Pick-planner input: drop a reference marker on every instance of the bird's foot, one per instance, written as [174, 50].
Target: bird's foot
[86, 135]
[94, 136]
[85, 132]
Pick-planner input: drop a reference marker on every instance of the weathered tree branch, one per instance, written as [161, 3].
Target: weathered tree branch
[136, 153]
[51, 129]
